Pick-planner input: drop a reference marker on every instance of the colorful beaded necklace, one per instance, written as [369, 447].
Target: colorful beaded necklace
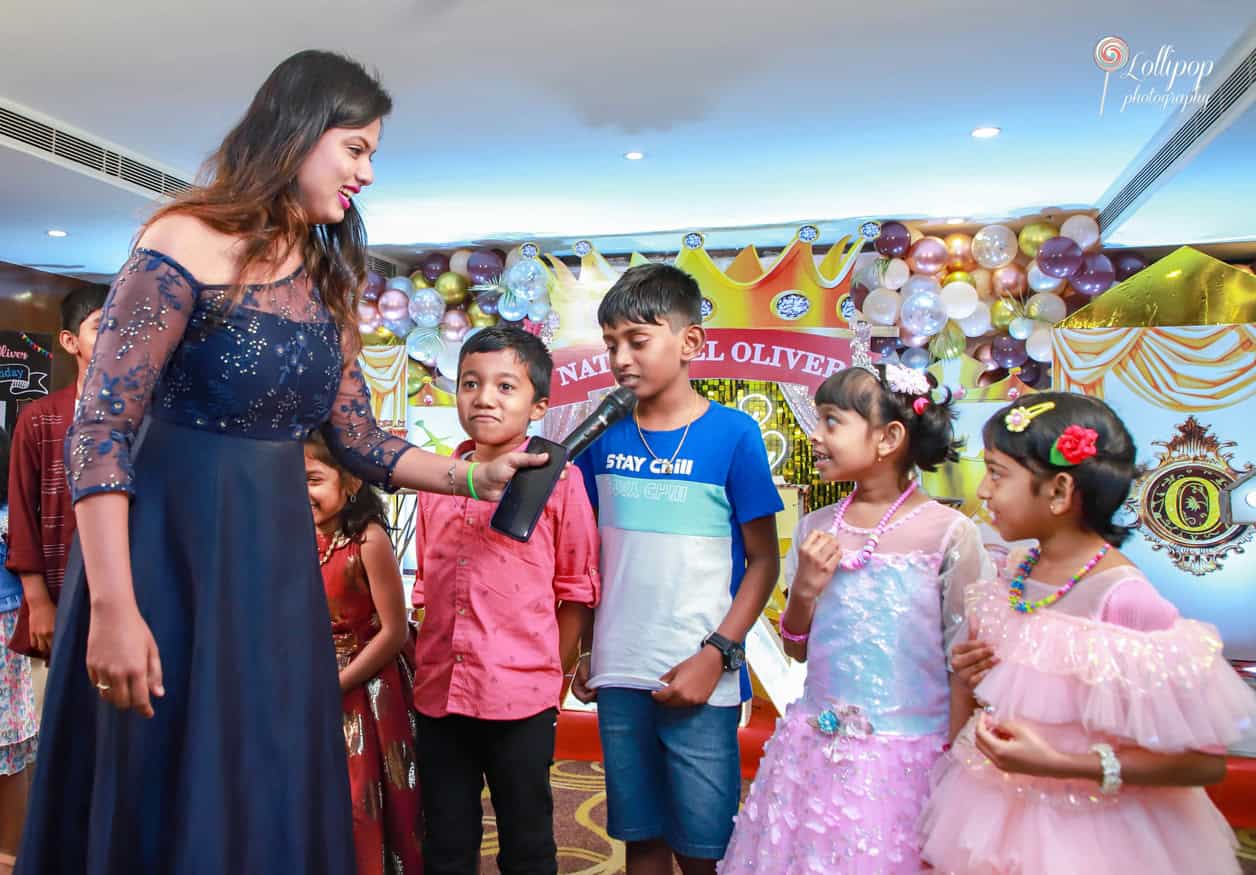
[1016, 591]
[861, 557]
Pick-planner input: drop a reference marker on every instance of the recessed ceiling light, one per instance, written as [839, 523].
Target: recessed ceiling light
[634, 156]
[955, 221]
[57, 232]
[986, 133]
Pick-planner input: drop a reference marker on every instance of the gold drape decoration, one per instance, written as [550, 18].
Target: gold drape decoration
[1190, 368]
[384, 368]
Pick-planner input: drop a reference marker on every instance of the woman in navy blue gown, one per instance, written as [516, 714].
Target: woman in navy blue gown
[192, 719]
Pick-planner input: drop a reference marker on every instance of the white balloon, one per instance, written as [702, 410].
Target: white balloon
[401, 284]
[881, 306]
[447, 359]
[427, 308]
[1021, 327]
[978, 323]
[960, 298]
[1083, 230]
[896, 273]
[1038, 345]
[458, 262]
[920, 284]
[1046, 307]
[995, 246]
[923, 313]
[916, 357]
[1039, 281]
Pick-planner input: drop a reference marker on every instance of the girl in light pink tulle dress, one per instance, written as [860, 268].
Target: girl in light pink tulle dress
[1104, 711]
[876, 592]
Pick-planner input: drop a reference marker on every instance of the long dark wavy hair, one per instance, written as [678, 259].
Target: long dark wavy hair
[249, 185]
[364, 507]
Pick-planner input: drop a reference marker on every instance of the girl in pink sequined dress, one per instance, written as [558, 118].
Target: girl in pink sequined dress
[1104, 711]
[875, 596]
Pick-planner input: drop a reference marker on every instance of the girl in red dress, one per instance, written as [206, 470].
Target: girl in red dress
[368, 626]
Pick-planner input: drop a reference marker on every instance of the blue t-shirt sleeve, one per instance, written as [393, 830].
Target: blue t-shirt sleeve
[584, 462]
[750, 488]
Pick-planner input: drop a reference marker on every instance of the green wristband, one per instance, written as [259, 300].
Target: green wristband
[471, 480]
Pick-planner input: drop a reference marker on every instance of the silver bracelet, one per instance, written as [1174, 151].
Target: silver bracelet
[1111, 783]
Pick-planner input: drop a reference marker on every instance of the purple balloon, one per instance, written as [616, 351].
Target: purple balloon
[488, 303]
[1059, 257]
[894, 240]
[374, 286]
[1127, 264]
[1030, 372]
[1096, 275]
[484, 266]
[1008, 352]
[433, 265]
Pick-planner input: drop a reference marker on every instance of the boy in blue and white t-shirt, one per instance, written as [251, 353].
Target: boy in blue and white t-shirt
[687, 516]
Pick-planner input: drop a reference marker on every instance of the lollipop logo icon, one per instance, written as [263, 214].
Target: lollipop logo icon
[1111, 53]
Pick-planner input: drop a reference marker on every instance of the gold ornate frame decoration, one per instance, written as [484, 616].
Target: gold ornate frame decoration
[1178, 501]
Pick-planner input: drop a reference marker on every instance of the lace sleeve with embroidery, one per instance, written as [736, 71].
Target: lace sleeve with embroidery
[964, 562]
[352, 434]
[143, 320]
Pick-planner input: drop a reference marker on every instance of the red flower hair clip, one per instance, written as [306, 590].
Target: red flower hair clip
[1074, 446]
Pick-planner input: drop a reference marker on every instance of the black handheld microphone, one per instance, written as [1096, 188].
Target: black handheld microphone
[613, 408]
[526, 493]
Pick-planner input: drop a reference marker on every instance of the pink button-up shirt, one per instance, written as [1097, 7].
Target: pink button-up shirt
[488, 646]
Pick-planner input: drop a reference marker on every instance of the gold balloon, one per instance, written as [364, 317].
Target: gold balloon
[960, 251]
[480, 319]
[419, 281]
[982, 281]
[1033, 235]
[958, 276]
[948, 343]
[1001, 314]
[381, 337]
[417, 377]
[452, 287]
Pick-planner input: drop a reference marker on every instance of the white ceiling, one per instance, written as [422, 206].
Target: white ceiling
[511, 119]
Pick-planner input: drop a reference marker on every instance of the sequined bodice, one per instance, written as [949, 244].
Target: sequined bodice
[879, 633]
[269, 366]
[876, 642]
[251, 372]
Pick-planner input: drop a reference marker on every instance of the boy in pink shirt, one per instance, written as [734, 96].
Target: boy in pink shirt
[503, 625]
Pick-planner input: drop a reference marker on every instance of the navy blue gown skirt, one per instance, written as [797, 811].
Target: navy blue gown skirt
[243, 769]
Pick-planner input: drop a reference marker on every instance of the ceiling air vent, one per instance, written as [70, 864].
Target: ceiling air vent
[380, 266]
[93, 156]
[1230, 91]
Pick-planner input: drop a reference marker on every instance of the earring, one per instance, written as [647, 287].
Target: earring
[353, 498]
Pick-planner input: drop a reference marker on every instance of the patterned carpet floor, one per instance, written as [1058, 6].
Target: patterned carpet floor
[584, 848]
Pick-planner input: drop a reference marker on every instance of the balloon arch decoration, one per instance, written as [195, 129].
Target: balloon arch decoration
[976, 308]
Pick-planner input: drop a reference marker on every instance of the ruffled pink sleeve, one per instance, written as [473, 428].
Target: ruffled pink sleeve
[1166, 688]
[1135, 604]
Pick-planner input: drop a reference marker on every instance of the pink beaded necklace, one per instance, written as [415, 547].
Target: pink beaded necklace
[861, 557]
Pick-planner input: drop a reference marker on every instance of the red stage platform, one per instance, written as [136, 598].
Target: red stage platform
[578, 740]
